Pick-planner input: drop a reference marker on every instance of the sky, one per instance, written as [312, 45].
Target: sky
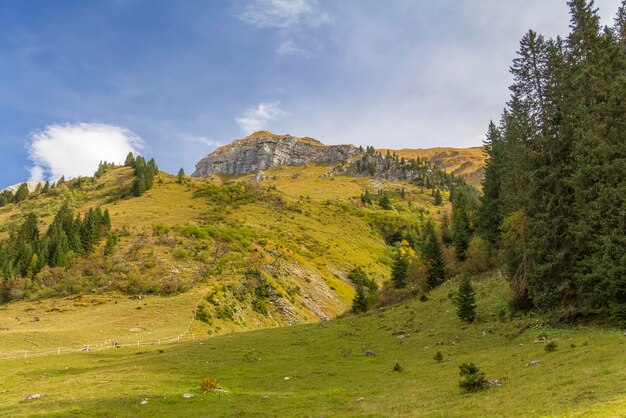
[88, 80]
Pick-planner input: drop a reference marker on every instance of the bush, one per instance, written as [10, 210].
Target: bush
[550, 346]
[225, 313]
[438, 357]
[202, 314]
[473, 380]
[209, 385]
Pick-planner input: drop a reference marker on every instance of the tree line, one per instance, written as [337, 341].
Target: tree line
[554, 186]
[27, 251]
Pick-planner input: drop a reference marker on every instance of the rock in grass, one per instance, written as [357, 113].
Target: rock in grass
[143, 401]
[265, 397]
[361, 399]
[534, 363]
[188, 395]
[32, 396]
[369, 353]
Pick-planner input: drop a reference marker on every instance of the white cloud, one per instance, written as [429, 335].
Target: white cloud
[289, 48]
[282, 14]
[36, 173]
[203, 140]
[256, 118]
[73, 150]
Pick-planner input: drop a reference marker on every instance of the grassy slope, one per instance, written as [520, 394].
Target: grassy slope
[465, 162]
[328, 374]
[312, 244]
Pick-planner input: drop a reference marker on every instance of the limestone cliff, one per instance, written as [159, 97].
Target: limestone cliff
[263, 150]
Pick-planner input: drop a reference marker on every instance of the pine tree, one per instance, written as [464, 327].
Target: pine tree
[465, 301]
[366, 198]
[399, 269]
[490, 213]
[359, 303]
[438, 198]
[432, 255]
[446, 233]
[384, 202]
[460, 224]
[21, 193]
[130, 160]
[180, 179]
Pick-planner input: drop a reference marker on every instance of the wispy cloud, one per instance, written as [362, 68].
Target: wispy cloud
[290, 48]
[293, 19]
[203, 140]
[282, 14]
[256, 118]
[73, 150]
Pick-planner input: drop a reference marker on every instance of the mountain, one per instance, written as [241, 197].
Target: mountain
[263, 150]
[32, 186]
[467, 163]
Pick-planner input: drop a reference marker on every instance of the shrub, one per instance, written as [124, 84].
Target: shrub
[550, 346]
[258, 305]
[202, 314]
[397, 367]
[225, 312]
[473, 380]
[209, 385]
[438, 357]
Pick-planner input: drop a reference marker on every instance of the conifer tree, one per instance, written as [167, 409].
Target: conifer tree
[384, 202]
[438, 198]
[465, 301]
[180, 179]
[490, 212]
[130, 160]
[359, 303]
[433, 257]
[21, 193]
[399, 269]
[460, 224]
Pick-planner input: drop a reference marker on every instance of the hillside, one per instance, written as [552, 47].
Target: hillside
[251, 255]
[320, 369]
[465, 162]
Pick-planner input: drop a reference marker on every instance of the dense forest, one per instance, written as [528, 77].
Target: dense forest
[554, 188]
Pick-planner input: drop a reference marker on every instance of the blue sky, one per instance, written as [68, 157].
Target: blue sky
[174, 79]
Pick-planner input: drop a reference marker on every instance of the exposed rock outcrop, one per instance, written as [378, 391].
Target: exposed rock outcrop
[263, 150]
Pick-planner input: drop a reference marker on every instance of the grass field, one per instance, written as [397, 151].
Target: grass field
[319, 369]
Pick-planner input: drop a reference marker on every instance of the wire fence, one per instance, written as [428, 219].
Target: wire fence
[94, 347]
[86, 348]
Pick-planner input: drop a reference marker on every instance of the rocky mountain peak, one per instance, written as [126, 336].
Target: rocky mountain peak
[262, 150]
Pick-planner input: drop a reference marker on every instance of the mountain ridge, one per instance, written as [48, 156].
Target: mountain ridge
[263, 150]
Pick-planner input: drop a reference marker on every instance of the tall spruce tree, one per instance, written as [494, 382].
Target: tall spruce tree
[465, 301]
[399, 269]
[433, 257]
[490, 213]
[461, 232]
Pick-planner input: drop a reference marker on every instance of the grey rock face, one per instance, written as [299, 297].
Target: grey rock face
[263, 150]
